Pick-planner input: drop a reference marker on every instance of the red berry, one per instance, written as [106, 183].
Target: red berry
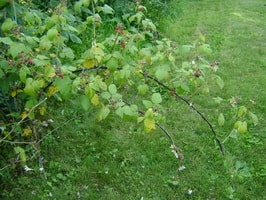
[60, 75]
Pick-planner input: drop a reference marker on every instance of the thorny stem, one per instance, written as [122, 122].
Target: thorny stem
[191, 105]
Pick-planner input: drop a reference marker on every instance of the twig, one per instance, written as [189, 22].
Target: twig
[190, 105]
[30, 111]
[166, 133]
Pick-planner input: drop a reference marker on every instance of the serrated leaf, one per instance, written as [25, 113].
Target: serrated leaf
[241, 111]
[147, 104]
[103, 113]
[242, 128]
[127, 111]
[120, 112]
[156, 98]
[45, 44]
[140, 119]
[16, 48]
[131, 110]
[67, 53]
[221, 119]
[52, 90]
[31, 86]
[149, 124]
[64, 86]
[95, 100]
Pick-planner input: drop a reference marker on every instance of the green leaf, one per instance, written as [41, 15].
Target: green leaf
[120, 112]
[107, 9]
[147, 104]
[45, 44]
[67, 53]
[16, 48]
[103, 113]
[52, 33]
[41, 60]
[6, 40]
[23, 72]
[22, 154]
[112, 89]
[95, 100]
[85, 102]
[241, 111]
[74, 38]
[98, 84]
[185, 49]
[32, 86]
[143, 89]
[242, 127]
[8, 25]
[161, 74]
[64, 86]
[86, 3]
[149, 124]
[106, 95]
[254, 118]
[205, 49]
[77, 6]
[221, 119]
[112, 64]
[1, 73]
[156, 98]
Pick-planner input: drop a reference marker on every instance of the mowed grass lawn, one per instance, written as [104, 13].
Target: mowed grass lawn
[236, 31]
[86, 159]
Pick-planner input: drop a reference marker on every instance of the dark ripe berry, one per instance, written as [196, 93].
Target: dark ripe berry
[10, 63]
[122, 44]
[120, 28]
[30, 61]
[198, 74]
